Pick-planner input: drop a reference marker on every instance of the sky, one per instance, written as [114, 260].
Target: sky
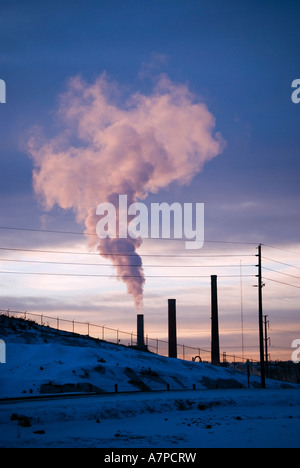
[184, 101]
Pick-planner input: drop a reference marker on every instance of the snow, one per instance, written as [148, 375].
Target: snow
[41, 361]
[184, 419]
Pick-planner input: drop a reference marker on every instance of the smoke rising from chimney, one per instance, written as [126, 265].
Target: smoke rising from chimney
[106, 149]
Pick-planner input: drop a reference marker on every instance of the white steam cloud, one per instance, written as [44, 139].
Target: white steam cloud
[105, 150]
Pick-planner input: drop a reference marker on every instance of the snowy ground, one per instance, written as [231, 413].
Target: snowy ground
[184, 419]
[41, 361]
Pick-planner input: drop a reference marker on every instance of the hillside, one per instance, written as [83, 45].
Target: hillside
[41, 360]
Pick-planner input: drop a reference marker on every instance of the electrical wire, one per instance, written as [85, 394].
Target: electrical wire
[281, 263]
[109, 265]
[124, 254]
[280, 248]
[281, 282]
[281, 273]
[114, 276]
[86, 233]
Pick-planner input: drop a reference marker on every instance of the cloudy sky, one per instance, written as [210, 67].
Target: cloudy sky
[165, 101]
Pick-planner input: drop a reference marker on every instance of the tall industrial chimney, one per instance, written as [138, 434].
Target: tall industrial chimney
[140, 332]
[215, 343]
[172, 329]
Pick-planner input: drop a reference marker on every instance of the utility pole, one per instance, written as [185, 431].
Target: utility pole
[261, 323]
[266, 324]
[215, 341]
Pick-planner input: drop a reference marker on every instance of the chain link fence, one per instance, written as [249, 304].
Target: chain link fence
[120, 337]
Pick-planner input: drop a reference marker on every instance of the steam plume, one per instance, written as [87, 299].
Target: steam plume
[105, 150]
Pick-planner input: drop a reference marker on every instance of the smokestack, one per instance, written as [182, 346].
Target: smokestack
[172, 329]
[140, 332]
[215, 344]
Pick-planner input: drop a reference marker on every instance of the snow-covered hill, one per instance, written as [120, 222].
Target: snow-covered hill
[40, 360]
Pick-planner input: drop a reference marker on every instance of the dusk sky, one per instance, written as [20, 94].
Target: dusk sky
[184, 101]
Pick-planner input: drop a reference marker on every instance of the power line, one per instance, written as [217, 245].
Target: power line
[122, 254]
[281, 273]
[114, 276]
[281, 263]
[86, 233]
[280, 248]
[109, 264]
[48, 231]
[281, 282]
